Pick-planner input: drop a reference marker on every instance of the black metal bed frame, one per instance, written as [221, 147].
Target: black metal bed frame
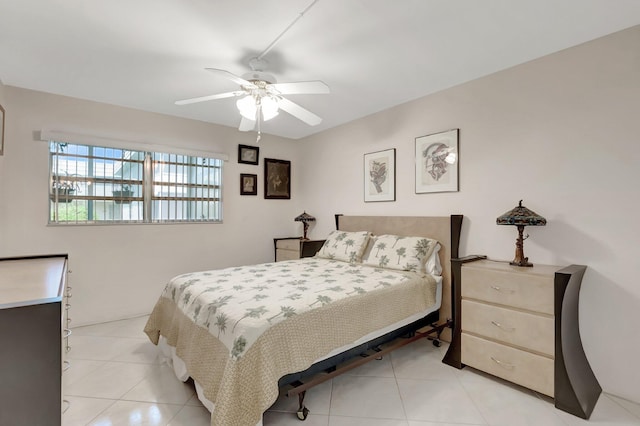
[331, 366]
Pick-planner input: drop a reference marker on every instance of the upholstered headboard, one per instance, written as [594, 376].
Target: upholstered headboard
[444, 229]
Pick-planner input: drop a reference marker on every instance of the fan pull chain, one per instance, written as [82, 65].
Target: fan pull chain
[259, 120]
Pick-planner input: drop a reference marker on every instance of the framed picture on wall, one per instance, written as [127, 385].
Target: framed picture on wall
[248, 184]
[437, 162]
[277, 179]
[248, 154]
[1, 130]
[380, 176]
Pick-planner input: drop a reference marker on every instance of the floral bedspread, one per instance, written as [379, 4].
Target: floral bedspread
[239, 330]
[237, 305]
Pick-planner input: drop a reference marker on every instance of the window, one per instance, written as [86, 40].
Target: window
[92, 185]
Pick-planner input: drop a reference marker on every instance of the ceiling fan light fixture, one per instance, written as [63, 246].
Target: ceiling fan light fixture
[269, 106]
[247, 107]
[261, 97]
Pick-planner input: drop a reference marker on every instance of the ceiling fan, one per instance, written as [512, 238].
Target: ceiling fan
[261, 97]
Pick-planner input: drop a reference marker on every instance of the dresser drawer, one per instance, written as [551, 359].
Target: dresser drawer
[528, 290]
[521, 367]
[287, 255]
[288, 244]
[530, 331]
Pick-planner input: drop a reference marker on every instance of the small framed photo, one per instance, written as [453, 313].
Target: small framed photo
[380, 176]
[248, 154]
[1, 130]
[248, 184]
[277, 179]
[437, 162]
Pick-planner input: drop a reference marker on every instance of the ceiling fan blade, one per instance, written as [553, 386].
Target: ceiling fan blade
[246, 125]
[301, 87]
[230, 76]
[300, 113]
[210, 97]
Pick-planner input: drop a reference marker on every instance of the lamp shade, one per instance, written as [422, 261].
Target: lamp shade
[521, 215]
[305, 218]
[269, 107]
[247, 107]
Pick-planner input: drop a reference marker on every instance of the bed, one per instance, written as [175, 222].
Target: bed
[243, 333]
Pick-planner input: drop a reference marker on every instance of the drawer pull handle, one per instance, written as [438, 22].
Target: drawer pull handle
[67, 365]
[502, 327]
[503, 364]
[502, 290]
[66, 333]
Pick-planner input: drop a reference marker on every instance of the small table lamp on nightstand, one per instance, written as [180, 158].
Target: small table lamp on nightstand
[521, 216]
[305, 218]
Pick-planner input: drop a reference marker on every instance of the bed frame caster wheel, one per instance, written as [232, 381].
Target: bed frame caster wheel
[436, 343]
[303, 413]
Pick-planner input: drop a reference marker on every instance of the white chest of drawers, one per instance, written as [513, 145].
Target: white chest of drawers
[521, 324]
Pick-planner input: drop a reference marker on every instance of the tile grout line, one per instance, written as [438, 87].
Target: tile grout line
[614, 399]
[395, 378]
[105, 409]
[473, 401]
[553, 409]
[120, 397]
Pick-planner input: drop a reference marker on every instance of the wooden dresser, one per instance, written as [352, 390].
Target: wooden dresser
[32, 290]
[295, 248]
[507, 322]
[521, 324]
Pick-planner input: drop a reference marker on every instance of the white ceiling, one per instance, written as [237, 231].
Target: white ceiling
[373, 54]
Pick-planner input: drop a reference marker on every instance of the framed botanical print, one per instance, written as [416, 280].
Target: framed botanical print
[277, 179]
[248, 154]
[437, 162]
[380, 176]
[248, 184]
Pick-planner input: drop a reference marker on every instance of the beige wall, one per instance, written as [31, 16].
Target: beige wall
[3, 103]
[119, 270]
[562, 133]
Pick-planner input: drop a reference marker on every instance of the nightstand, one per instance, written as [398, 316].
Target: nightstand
[521, 324]
[295, 248]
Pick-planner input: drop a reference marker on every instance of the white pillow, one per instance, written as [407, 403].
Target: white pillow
[432, 265]
[397, 252]
[345, 246]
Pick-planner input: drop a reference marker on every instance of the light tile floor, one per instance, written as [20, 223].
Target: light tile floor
[117, 379]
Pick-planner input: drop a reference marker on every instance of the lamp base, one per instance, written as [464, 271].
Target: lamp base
[521, 262]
